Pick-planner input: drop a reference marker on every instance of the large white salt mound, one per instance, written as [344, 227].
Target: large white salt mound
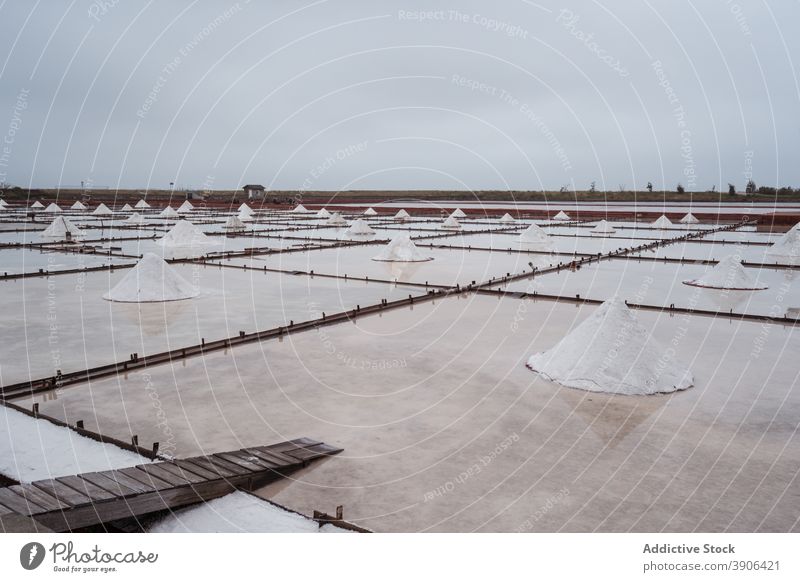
[300, 209]
[244, 208]
[689, 219]
[61, 229]
[234, 223]
[662, 222]
[127, 208]
[370, 212]
[184, 233]
[402, 215]
[245, 216]
[451, 222]
[401, 249]
[534, 234]
[788, 245]
[359, 228]
[4, 203]
[33, 449]
[727, 274]
[238, 512]
[610, 351]
[53, 208]
[102, 210]
[185, 207]
[507, 218]
[458, 213]
[322, 213]
[142, 204]
[603, 227]
[561, 216]
[152, 279]
[37, 204]
[336, 220]
[78, 205]
[168, 212]
[135, 218]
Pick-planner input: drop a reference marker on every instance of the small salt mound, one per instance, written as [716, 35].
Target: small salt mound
[127, 208]
[53, 208]
[507, 218]
[689, 219]
[561, 216]
[37, 204]
[4, 203]
[238, 512]
[534, 234]
[727, 274]
[186, 207]
[152, 279]
[370, 212]
[184, 233]
[322, 213]
[78, 205]
[336, 220]
[662, 222]
[142, 204]
[451, 222]
[245, 217]
[61, 229]
[788, 246]
[300, 209]
[458, 213]
[135, 218]
[359, 228]
[234, 223]
[102, 210]
[168, 212]
[403, 250]
[612, 352]
[402, 215]
[603, 228]
[245, 209]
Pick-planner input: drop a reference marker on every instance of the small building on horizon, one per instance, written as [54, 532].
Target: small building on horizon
[254, 191]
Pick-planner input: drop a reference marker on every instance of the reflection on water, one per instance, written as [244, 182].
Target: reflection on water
[152, 318]
[725, 299]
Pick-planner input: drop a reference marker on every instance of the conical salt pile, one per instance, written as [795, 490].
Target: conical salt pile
[102, 210]
[142, 204]
[152, 279]
[127, 208]
[245, 216]
[185, 234]
[662, 222]
[300, 209]
[53, 208]
[727, 274]
[402, 249]
[234, 223]
[788, 246]
[336, 220]
[451, 222]
[561, 216]
[61, 229]
[186, 207]
[507, 218]
[689, 219]
[359, 228]
[603, 228]
[612, 352]
[245, 209]
[135, 218]
[78, 205]
[322, 213]
[370, 212]
[168, 212]
[402, 215]
[37, 205]
[458, 213]
[534, 234]
[4, 203]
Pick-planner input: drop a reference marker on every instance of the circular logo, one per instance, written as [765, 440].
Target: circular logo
[31, 555]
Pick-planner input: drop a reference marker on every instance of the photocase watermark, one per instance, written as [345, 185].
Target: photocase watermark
[99, 8]
[738, 15]
[474, 18]
[776, 310]
[526, 110]
[20, 105]
[542, 510]
[474, 469]
[686, 148]
[165, 448]
[569, 20]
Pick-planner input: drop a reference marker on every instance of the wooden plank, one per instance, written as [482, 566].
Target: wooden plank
[39, 497]
[155, 470]
[279, 458]
[5, 510]
[145, 478]
[191, 467]
[182, 473]
[88, 488]
[221, 465]
[128, 482]
[205, 464]
[314, 452]
[266, 458]
[61, 492]
[241, 460]
[289, 445]
[18, 504]
[110, 485]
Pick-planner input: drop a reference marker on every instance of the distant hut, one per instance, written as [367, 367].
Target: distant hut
[254, 191]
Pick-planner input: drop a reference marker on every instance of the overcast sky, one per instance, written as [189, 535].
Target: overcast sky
[338, 95]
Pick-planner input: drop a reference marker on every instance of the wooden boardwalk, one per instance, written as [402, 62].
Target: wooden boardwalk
[91, 499]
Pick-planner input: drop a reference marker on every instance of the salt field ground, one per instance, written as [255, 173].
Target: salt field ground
[417, 369]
